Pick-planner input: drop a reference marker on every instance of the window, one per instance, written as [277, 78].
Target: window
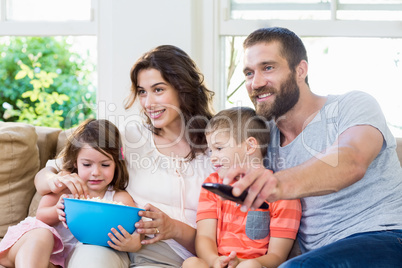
[48, 10]
[364, 10]
[346, 48]
[42, 27]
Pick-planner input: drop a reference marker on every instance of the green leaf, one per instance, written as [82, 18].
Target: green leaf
[36, 84]
[21, 74]
[27, 94]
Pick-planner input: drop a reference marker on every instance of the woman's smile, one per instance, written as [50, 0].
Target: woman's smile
[155, 114]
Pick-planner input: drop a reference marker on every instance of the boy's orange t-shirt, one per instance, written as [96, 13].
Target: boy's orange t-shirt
[283, 222]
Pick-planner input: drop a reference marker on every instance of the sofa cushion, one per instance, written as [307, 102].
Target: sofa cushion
[19, 162]
[47, 143]
[63, 138]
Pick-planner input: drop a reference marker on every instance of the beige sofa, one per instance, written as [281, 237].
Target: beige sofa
[24, 150]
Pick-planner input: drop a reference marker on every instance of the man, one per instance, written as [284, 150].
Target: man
[336, 153]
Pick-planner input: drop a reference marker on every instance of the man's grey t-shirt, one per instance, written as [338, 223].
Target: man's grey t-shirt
[371, 204]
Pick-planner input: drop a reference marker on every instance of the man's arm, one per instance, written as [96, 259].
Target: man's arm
[341, 165]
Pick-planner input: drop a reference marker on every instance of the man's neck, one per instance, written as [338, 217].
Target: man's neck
[293, 123]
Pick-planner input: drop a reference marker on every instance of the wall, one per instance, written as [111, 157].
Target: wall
[128, 28]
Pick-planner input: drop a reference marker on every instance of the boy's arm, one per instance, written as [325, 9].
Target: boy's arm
[47, 211]
[278, 252]
[284, 223]
[205, 240]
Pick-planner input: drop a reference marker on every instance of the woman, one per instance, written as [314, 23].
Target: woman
[166, 160]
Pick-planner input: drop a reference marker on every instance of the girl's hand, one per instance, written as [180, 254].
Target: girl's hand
[161, 226]
[124, 241]
[60, 210]
[71, 181]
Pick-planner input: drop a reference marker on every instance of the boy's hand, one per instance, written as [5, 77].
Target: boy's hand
[230, 261]
[124, 241]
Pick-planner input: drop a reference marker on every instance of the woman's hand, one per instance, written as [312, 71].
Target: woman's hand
[48, 180]
[71, 181]
[124, 241]
[161, 225]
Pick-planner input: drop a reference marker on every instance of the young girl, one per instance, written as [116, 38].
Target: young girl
[93, 153]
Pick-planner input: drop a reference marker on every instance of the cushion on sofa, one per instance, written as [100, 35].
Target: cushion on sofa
[19, 162]
[47, 143]
[62, 139]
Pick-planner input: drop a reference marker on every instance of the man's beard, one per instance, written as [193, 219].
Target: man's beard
[285, 99]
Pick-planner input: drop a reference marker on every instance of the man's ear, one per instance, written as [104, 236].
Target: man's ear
[252, 145]
[301, 70]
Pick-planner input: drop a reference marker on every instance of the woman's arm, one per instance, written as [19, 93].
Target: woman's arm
[164, 227]
[49, 180]
[42, 179]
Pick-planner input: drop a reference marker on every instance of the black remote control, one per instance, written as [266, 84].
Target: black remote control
[225, 191]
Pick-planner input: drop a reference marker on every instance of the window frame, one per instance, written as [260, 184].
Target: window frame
[49, 28]
[304, 28]
[316, 28]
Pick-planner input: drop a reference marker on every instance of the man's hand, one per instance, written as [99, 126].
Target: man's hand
[260, 183]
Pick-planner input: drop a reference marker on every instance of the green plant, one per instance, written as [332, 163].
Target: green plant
[40, 111]
[55, 55]
[233, 63]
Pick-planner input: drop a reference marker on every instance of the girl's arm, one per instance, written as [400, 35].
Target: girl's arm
[47, 210]
[122, 240]
[124, 197]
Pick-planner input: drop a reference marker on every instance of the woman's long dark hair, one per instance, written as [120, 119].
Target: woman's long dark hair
[181, 72]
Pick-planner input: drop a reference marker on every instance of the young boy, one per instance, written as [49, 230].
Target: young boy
[226, 236]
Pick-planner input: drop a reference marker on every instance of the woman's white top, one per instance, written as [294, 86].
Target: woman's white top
[172, 184]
